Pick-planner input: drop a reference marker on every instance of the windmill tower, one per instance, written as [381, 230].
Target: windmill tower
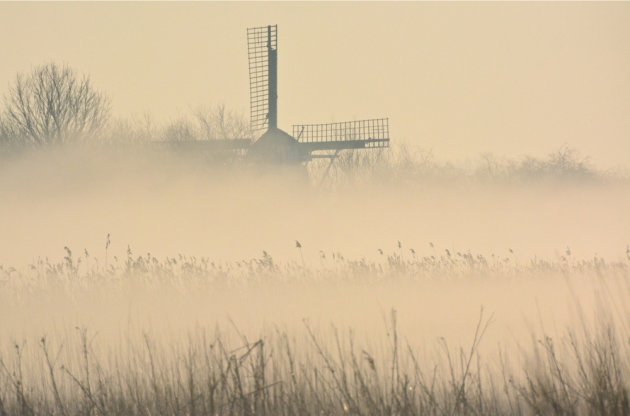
[308, 141]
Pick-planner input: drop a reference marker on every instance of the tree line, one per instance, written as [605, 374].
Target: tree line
[55, 104]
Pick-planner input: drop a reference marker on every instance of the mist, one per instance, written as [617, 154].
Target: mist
[165, 205]
[163, 255]
[158, 204]
[144, 244]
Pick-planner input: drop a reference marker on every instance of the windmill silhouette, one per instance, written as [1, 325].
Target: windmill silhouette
[274, 145]
[308, 141]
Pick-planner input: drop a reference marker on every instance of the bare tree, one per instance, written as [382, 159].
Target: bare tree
[207, 123]
[137, 129]
[220, 123]
[53, 105]
[4, 133]
[179, 130]
[203, 123]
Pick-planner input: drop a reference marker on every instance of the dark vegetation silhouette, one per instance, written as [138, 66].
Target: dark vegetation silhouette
[403, 165]
[52, 105]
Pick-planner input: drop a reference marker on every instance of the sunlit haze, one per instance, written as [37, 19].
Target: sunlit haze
[462, 247]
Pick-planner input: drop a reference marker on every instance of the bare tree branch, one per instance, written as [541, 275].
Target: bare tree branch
[52, 105]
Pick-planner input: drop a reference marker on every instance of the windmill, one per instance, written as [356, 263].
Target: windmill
[307, 141]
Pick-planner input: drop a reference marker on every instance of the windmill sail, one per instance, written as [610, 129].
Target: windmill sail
[277, 146]
[262, 50]
[358, 134]
[273, 145]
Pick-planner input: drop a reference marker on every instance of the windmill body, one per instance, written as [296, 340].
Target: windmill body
[308, 141]
[274, 145]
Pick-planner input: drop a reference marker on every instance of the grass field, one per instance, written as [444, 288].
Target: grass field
[361, 357]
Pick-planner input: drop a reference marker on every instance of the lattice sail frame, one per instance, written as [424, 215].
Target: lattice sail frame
[375, 132]
[262, 44]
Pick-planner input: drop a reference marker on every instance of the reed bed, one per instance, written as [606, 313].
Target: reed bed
[315, 370]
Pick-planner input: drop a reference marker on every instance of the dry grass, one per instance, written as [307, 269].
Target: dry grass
[314, 370]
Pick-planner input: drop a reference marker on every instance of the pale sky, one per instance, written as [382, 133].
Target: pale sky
[459, 79]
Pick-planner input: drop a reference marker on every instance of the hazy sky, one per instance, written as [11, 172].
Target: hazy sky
[457, 78]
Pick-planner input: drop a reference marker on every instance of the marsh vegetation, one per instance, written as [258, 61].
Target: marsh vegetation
[187, 335]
